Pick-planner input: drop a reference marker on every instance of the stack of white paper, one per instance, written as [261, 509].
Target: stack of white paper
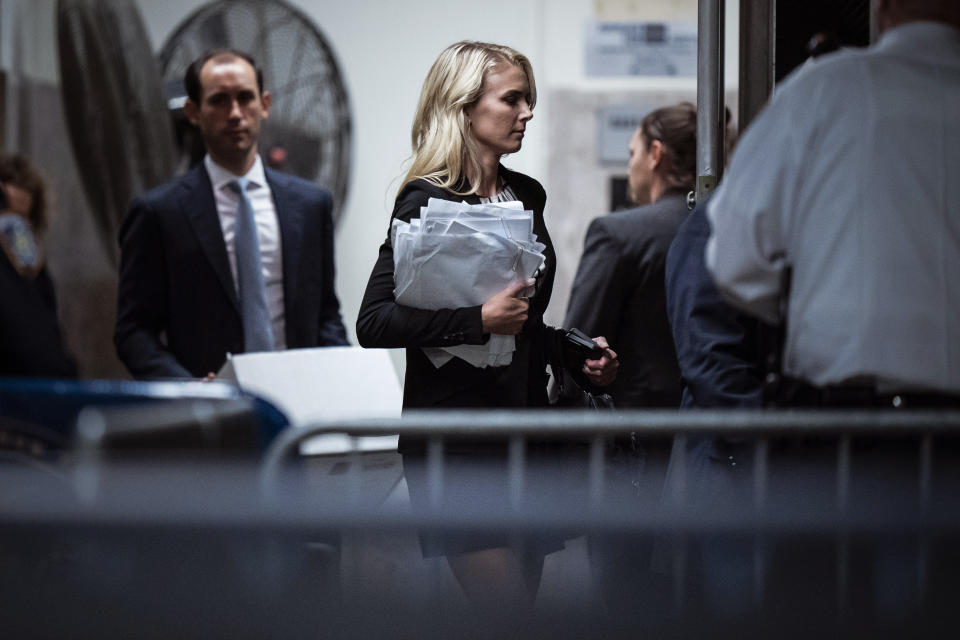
[459, 255]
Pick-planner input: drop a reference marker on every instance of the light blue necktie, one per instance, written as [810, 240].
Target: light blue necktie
[257, 330]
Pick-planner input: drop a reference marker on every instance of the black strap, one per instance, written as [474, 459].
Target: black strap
[799, 393]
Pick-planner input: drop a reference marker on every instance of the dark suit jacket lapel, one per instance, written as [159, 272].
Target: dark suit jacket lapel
[290, 219]
[197, 200]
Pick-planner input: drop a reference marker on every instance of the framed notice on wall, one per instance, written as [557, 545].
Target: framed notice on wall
[641, 48]
[615, 126]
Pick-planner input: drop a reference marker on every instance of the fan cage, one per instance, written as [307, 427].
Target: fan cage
[309, 130]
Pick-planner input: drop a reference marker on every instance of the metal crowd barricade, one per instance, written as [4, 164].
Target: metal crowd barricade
[596, 427]
[256, 526]
[764, 516]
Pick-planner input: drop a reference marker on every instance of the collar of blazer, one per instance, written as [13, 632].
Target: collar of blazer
[518, 181]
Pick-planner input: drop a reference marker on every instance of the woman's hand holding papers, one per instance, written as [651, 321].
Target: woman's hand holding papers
[603, 371]
[506, 312]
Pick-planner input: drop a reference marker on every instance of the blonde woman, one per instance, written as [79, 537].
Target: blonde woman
[475, 106]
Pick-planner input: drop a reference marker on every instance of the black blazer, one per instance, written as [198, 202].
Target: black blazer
[383, 323]
[175, 278]
[619, 293]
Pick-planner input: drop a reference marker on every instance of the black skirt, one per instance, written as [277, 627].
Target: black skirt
[470, 505]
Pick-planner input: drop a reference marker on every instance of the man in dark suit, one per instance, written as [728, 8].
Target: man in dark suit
[232, 257]
[722, 355]
[618, 291]
[721, 351]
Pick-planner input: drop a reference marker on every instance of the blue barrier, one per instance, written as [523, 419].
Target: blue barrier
[50, 407]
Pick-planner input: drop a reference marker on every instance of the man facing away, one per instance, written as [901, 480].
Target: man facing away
[848, 181]
[232, 257]
[840, 216]
[619, 287]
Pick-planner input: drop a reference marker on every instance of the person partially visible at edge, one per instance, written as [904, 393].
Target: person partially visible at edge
[31, 344]
[474, 108]
[838, 215]
[186, 298]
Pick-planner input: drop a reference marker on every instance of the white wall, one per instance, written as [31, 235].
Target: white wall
[385, 48]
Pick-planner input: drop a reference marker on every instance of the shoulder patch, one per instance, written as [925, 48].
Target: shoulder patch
[20, 245]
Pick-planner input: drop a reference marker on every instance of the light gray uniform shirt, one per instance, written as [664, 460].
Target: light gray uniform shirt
[851, 177]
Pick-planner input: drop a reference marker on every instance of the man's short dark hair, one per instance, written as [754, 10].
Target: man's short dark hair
[191, 81]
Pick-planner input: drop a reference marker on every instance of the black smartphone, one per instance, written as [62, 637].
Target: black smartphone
[583, 345]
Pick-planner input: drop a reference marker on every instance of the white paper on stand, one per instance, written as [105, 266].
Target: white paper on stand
[323, 384]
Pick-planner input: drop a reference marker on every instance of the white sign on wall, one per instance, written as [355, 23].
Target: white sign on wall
[617, 124]
[641, 48]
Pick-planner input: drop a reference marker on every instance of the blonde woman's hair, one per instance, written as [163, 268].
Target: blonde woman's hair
[444, 153]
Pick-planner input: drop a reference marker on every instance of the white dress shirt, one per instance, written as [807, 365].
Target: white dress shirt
[268, 234]
[851, 178]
